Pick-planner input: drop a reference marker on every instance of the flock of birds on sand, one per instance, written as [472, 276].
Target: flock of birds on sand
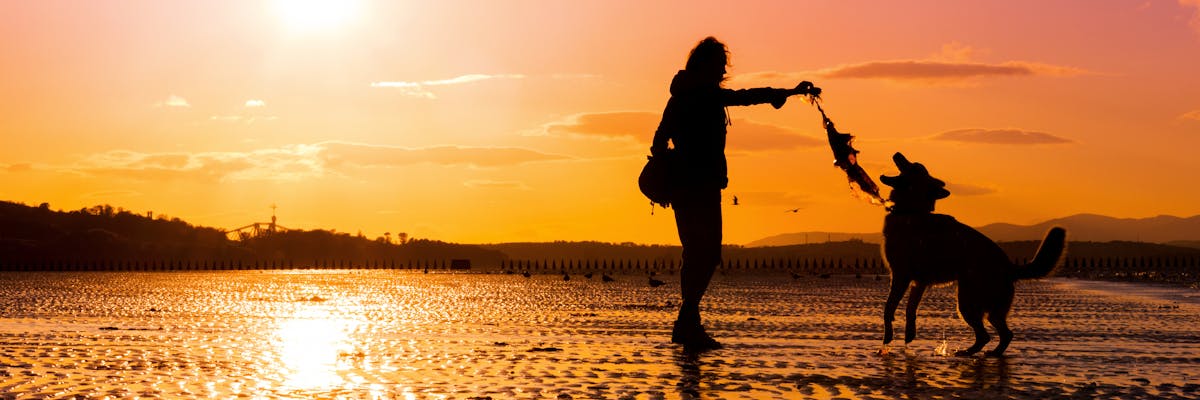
[654, 282]
[651, 280]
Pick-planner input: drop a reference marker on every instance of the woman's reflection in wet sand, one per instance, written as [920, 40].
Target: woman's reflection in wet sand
[689, 374]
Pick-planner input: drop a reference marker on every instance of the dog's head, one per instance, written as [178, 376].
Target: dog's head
[913, 190]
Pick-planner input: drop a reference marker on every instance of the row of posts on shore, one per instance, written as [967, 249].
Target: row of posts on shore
[1184, 266]
[524, 265]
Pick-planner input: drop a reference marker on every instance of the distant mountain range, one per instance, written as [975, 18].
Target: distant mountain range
[1080, 228]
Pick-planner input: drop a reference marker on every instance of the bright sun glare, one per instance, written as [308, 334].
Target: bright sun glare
[309, 346]
[315, 15]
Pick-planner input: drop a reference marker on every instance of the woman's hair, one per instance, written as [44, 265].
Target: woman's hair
[708, 53]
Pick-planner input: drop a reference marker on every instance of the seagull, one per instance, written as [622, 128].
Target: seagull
[794, 210]
[606, 278]
[525, 274]
[588, 275]
[566, 277]
[655, 282]
[735, 200]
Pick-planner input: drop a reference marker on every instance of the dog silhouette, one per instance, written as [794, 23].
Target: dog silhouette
[922, 248]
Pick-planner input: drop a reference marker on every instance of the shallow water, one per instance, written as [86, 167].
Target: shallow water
[388, 334]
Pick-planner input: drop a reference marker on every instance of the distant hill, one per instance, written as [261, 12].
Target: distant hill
[1081, 227]
[798, 238]
[1194, 244]
[1099, 228]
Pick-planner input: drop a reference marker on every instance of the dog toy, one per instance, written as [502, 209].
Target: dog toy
[845, 156]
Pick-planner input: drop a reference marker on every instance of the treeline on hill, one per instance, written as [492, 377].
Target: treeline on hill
[104, 237]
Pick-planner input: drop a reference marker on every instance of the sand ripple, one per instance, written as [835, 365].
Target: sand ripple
[386, 334]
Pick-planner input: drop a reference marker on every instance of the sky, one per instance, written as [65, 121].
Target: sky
[518, 121]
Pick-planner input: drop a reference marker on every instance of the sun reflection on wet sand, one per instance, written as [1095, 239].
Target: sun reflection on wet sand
[311, 346]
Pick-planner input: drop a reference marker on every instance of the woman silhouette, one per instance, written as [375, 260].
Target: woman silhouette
[694, 121]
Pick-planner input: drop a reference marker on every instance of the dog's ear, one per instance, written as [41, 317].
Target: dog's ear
[901, 162]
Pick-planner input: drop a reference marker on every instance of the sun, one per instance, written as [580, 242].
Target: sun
[315, 15]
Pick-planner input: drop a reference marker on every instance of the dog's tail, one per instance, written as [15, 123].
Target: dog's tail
[1047, 256]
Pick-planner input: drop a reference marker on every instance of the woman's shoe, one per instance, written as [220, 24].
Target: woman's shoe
[693, 337]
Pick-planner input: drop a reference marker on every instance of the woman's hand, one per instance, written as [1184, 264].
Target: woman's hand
[807, 88]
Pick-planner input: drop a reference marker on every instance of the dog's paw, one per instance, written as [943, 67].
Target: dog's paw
[965, 353]
[993, 354]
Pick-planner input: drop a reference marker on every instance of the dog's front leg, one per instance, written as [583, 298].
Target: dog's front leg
[910, 312]
[899, 286]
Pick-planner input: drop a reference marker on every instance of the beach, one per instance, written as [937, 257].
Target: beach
[380, 334]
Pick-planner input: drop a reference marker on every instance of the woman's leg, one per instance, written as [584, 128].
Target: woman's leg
[698, 218]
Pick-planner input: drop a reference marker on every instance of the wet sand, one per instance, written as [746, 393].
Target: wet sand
[387, 334]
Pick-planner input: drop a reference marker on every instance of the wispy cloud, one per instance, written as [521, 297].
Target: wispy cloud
[488, 184]
[933, 72]
[1193, 115]
[174, 101]
[110, 194]
[962, 189]
[247, 119]
[567, 76]
[471, 78]
[1001, 136]
[951, 66]
[367, 155]
[639, 126]
[18, 167]
[418, 88]
[294, 162]
[1194, 6]
[251, 112]
[284, 164]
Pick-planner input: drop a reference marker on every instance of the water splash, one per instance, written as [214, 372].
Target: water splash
[942, 349]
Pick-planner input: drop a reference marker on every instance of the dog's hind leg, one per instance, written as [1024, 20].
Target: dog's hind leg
[899, 286]
[910, 312]
[974, 319]
[999, 321]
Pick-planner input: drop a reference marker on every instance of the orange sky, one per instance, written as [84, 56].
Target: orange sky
[477, 121]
